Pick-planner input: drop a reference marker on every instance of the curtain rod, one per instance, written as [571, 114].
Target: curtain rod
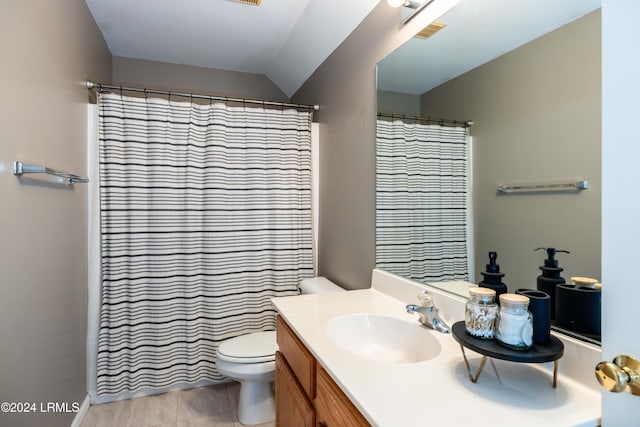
[465, 123]
[91, 85]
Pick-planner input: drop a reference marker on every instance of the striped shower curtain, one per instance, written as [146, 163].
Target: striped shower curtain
[205, 215]
[422, 200]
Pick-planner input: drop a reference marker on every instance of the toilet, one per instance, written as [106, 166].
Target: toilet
[250, 360]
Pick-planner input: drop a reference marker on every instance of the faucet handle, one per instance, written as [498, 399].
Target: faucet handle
[425, 299]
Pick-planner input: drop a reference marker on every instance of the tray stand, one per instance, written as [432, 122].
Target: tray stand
[551, 352]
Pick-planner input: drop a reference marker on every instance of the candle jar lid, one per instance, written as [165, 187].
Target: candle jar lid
[482, 294]
[514, 300]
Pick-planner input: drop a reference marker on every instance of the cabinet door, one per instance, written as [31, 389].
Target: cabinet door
[293, 408]
[301, 362]
[333, 407]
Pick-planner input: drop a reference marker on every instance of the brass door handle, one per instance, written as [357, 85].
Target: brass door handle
[623, 374]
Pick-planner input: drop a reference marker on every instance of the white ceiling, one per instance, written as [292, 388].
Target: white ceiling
[286, 40]
[477, 31]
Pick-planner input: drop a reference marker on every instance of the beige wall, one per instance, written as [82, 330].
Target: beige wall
[49, 49]
[345, 87]
[187, 78]
[537, 117]
[398, 103]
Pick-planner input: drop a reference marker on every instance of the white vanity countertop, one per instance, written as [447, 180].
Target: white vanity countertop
[437, 391]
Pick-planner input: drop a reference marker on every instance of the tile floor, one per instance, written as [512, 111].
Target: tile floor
[213, 406]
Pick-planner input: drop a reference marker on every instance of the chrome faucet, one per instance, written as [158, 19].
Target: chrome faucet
[428, 313]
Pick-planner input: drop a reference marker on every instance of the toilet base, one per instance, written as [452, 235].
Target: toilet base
[256, 404]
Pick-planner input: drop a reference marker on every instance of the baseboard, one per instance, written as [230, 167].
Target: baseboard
[81, 412]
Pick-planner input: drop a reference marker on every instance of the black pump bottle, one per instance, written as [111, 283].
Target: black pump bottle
[493, 277]
[550, 277]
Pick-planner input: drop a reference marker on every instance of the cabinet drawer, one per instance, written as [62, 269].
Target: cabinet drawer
[333, 407]
[298, 357]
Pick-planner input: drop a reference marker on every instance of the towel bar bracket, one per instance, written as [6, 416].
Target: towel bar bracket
[20, 169]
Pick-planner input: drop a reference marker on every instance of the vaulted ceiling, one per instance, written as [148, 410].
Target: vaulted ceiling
[286, 40]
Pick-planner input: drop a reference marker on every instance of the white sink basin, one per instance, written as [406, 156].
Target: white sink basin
[383, 338]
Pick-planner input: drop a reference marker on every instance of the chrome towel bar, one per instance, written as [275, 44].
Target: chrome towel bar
[549, 186]
[20, 168]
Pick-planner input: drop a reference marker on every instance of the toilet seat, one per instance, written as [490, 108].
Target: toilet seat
[258, 347]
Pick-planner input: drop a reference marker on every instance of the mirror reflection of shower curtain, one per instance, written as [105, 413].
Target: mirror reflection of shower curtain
[205, 215]
[422, 200]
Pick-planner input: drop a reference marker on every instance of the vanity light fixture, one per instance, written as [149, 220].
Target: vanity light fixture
[416, 5]
[406, 3]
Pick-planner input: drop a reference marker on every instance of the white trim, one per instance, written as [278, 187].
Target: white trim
[620, 205]
[84, 408]
[93, 247]
[470, 229]
[315, 188]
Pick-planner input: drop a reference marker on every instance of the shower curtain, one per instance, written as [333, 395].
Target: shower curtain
[422, 200]
[205, 215]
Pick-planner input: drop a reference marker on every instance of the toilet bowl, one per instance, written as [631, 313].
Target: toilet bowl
[250, 360]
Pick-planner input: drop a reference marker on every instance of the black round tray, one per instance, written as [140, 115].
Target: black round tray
[539, 353]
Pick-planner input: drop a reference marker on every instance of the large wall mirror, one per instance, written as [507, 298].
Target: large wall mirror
[528, 76]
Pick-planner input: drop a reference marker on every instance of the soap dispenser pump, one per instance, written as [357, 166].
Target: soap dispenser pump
[550, 277]
[493, 277]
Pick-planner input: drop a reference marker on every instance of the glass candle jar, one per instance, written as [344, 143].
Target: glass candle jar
[514, 326]
[480, 313]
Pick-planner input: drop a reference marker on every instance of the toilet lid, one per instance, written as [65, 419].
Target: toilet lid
[250, 348]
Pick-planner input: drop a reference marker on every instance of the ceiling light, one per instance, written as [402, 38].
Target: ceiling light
[406, 3]
[411, 8]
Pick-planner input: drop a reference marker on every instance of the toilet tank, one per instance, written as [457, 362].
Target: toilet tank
[318, 285]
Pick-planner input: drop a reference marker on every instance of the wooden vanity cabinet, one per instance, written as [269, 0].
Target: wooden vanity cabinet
[306, 396]
[293, 408]
[295, 380]
[333, 407]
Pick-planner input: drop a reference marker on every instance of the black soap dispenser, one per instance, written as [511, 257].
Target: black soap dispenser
[493, 277]
[550, 277]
